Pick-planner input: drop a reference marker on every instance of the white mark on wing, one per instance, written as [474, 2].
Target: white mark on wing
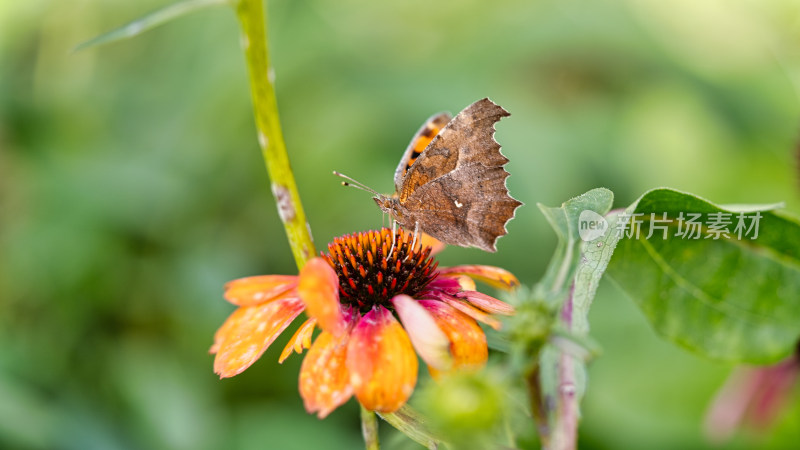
[458, 204]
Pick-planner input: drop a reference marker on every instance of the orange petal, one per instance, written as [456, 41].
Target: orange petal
[487, 303]
[467, 340]
[493, 276]
[300, 341]
[319, 290]
[466, 283]
[248, 332]
[427, 240]
[252, 290]
[472, 311]
[324, 379]
[381, 361]
[428, 340]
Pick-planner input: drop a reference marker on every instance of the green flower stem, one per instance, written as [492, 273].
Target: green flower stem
[369, 428]
[251, 15]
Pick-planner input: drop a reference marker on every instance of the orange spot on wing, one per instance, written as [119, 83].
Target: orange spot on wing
[422, 141]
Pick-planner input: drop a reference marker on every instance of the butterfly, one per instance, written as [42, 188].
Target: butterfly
[451, 183]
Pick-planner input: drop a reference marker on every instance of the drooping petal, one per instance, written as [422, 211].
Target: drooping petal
[471, 311]
[253, 290]
[467, 340]
[248, 332]
[487, 303]
[428, 340]
[493, 276]
[324, 379]
[300, 341]
[319, 290]
[381, 361]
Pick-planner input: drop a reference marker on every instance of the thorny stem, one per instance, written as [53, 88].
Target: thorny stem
[251, 15]
[369, 428]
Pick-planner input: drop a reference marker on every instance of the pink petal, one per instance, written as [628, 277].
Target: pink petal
[428, 340]
[471, 311]
[487, 303]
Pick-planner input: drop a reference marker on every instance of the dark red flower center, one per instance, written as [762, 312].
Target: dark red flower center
[373, 267]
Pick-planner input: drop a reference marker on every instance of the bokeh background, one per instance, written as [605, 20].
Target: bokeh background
[132, 189]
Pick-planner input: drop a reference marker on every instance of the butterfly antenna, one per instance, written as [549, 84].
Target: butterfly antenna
[355, 183]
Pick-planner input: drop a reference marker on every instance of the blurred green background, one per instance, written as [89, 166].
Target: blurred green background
[132, 189]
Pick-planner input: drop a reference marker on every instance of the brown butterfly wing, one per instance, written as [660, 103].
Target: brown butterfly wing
[421, 139]
[468, 207]
[456, 189]
[468, 138]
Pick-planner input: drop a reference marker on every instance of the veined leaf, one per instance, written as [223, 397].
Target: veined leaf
[565, 221]
[725, 294]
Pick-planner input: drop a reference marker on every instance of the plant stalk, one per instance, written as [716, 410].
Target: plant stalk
[251, 14]
[369, 428]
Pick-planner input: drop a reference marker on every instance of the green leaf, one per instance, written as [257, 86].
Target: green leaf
[595, 255]
[149, 21]
[729, 299]
[570, 282]
[565, 222]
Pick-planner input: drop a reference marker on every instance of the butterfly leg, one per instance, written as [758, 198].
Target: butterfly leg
[394, 239]
[414, 241]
